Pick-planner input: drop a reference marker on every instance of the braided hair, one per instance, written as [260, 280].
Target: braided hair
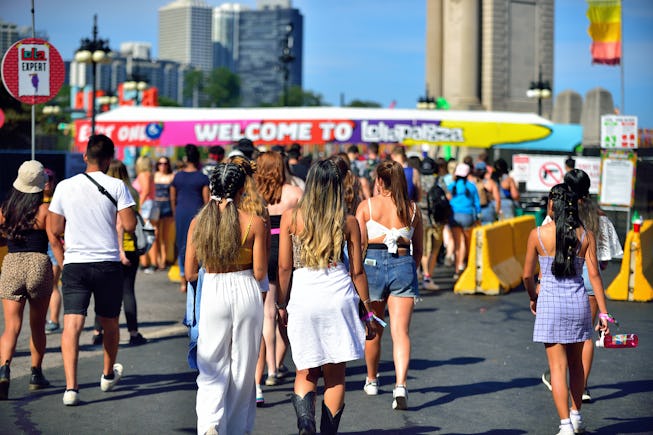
[217, 236]
[565, 214]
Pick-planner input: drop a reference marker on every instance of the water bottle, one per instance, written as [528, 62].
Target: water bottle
[617, 341]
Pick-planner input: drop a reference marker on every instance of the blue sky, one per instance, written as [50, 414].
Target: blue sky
[372, 49]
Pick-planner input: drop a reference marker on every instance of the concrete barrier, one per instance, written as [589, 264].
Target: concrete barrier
[492, 268]
[521, 229]
[633, 282]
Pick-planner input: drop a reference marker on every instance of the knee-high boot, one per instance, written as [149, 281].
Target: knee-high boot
[329, 423]
[305, 410]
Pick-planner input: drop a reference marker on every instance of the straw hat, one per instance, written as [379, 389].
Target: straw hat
[31, 177]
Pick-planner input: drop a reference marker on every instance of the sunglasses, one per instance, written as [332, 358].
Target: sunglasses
[162, 163]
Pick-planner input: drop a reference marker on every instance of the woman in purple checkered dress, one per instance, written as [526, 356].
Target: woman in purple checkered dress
[561, 306]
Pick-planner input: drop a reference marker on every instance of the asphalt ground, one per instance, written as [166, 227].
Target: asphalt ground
[474, 370]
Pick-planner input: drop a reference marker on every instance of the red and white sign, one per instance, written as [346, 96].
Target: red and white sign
[520, 167]
[33, 71]
[551, 173]
[618, 132]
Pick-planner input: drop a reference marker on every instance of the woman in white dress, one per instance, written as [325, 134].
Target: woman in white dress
[324, 327]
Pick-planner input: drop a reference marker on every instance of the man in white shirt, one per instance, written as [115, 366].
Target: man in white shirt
[91, 261]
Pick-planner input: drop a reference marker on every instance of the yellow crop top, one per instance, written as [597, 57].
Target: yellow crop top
[245, 255]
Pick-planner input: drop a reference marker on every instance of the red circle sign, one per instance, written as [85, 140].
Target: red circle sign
[33, 71]
[551, 174]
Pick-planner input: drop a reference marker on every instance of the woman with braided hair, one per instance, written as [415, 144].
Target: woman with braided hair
[231, 245]
[561, 306]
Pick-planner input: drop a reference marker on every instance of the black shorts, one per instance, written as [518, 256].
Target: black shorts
[103, 280]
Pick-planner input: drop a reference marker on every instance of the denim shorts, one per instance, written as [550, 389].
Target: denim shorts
[390, 274]
[464, 220]
[103, 280]
[586, 280]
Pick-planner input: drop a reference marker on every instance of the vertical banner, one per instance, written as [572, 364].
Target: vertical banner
[605, 30]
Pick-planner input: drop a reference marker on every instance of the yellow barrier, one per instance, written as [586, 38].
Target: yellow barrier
[491, 267]
[521, 229]
[633, 282]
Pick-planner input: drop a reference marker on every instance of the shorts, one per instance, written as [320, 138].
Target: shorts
[390, 274]
[53, 260]
[464, 220]
[26, 275]
[165, 209]
[273, 258]
[586, 280]
[150, 210]
[432, 240]
[103, 280]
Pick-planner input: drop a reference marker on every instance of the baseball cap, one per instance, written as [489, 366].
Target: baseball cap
[480, 166]
[31, 177]
[428, 166]
[462, 170]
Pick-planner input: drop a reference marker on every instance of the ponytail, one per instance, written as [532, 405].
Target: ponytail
[565, 212]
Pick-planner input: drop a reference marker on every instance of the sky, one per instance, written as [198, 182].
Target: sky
[371, 49]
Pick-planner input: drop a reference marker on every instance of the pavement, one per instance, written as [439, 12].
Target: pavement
[474, 370]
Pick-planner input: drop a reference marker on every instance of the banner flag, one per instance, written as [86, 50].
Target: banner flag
[605, 31]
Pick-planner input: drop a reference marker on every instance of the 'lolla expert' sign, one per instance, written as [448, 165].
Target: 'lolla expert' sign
[33, 71]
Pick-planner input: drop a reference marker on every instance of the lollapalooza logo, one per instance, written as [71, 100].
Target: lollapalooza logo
[33, 54]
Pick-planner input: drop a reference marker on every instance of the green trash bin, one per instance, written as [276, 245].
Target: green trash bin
[538, 212]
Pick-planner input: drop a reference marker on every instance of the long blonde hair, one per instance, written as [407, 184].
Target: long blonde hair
[217, 233]
[251, 201]
[323, 210]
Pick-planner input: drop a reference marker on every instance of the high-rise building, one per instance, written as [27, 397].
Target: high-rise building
[8, 35]
[185, 33]
[483, 54]
[224, 35]
[262, 35]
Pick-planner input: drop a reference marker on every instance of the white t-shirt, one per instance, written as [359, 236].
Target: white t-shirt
[90, 234]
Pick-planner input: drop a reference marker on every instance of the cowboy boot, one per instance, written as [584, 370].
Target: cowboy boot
[305, 410]
[329, 423]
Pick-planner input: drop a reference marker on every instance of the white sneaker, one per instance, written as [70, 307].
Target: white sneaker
[371, 387]
[586, 397]
[577, 423]
[566, 429]
[70, 397]
[400, 397]
[108, 384]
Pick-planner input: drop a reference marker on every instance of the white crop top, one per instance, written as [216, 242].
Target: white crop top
[375, 230]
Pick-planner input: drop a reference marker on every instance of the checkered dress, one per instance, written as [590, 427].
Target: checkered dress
[563, 310]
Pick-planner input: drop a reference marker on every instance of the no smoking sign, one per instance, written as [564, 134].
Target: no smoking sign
[550, 174]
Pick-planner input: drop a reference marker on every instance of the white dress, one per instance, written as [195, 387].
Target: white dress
[323, 322]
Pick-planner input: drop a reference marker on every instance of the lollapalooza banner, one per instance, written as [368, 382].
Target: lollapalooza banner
[312, 132]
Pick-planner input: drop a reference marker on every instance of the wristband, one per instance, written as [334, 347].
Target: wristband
[608, 318]
[368, 317]
[280, 307]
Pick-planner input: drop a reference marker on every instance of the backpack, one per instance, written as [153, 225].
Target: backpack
[143, 233]
[439, 209]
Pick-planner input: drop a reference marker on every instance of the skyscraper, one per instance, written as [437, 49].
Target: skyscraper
[224, 35]
[185, 33]
[262, 35]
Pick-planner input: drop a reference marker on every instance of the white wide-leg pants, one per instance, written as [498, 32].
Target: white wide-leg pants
[230, 327]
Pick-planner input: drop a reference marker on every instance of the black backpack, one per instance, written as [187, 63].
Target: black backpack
[439, 209]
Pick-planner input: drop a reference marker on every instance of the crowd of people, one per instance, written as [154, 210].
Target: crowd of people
[285, 253]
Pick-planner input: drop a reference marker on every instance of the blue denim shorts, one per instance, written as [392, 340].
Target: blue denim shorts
[390, 274]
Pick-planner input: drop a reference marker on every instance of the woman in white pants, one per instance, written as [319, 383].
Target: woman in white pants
[231, 245]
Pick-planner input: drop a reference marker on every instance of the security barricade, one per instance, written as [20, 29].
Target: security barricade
[491, 267]
[633, 282]
[521, 229]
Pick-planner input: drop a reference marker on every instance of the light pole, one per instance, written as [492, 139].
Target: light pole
[426, 102]
[93, 51]
[139, 87]
[540, 90]
[286, 59]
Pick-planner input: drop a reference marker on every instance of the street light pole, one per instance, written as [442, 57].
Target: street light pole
[540, 90]
[93, 51]
[286, 59]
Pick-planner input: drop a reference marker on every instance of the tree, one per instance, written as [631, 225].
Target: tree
[193, 85]
[297, 97]
[223, 88]
[363, 103]
[167, 102]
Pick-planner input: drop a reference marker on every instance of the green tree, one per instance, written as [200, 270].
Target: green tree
[297, 97]
[223, 88]
[194, 85]
[167, 102]
[363, 103]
